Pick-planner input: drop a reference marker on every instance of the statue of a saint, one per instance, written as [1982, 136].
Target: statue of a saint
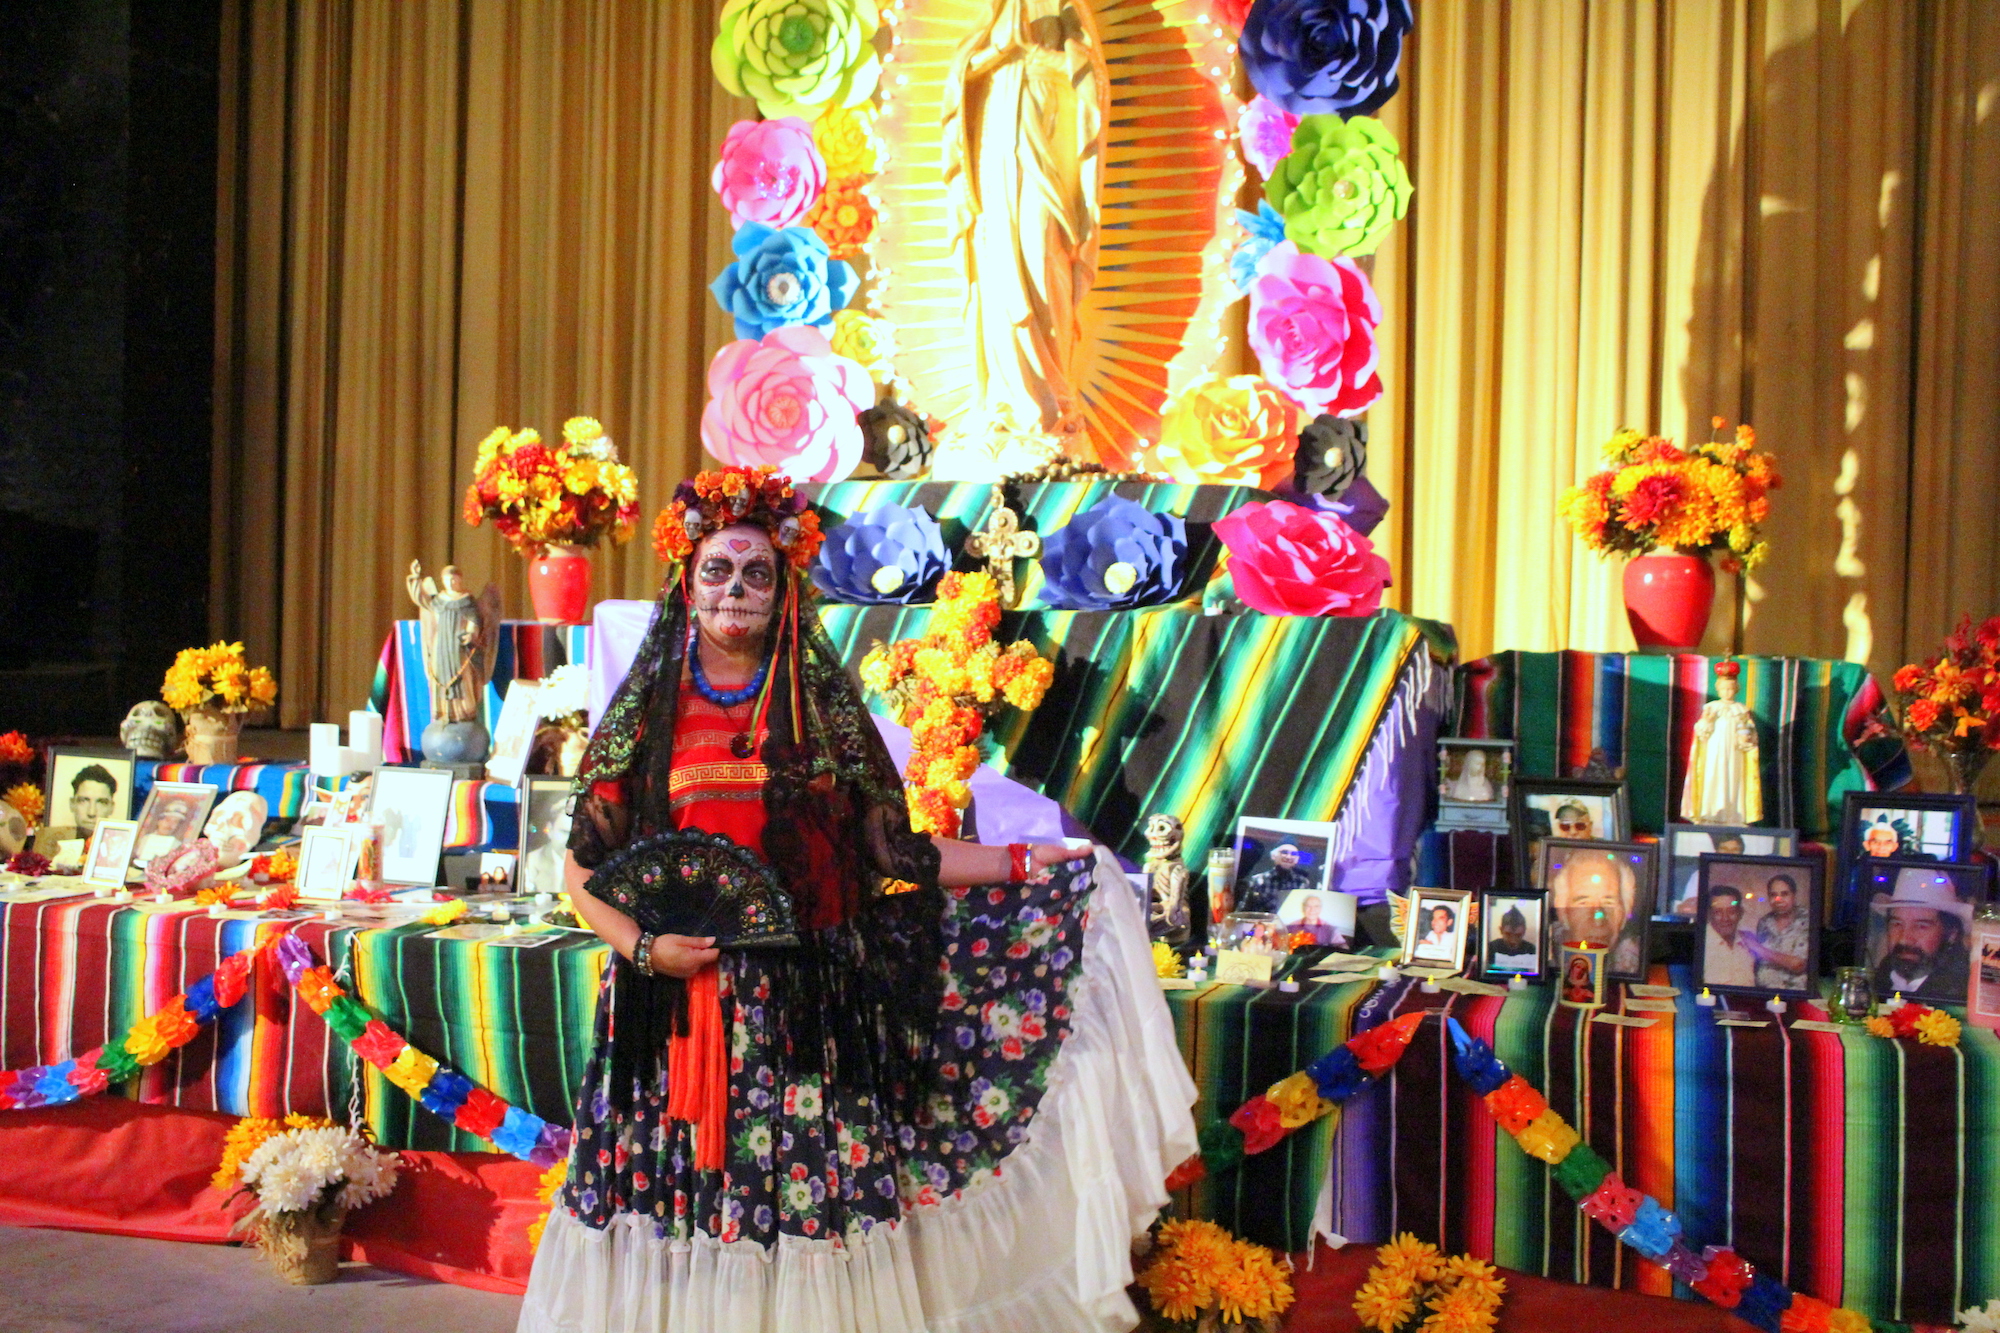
[461, 638]
[1166, 880]
[1725, 783]
[1025, 107]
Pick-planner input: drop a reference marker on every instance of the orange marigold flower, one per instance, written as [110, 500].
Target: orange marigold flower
[14, 748]
[26, 797]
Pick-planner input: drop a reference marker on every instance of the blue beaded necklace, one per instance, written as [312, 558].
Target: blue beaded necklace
[723, 698]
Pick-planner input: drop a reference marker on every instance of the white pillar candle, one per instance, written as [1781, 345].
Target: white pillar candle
[364, 737]
[323, 749]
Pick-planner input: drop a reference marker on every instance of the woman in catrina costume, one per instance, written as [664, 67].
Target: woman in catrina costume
[889, 1081]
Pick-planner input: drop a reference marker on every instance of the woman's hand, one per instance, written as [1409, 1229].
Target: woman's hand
[682, 955]
[1042, 855]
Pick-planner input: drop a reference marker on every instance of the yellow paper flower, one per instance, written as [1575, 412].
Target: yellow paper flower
[145, 1043]
[446, 913]
[864, 339]
[847, 140]
[1239, 430]
[1385, 1303]
[1549, 1137]
[411, 1071]
[1298, 1101]
[1406, 1256]
[1938, 1028]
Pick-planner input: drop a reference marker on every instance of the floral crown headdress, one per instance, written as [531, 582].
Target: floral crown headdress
[720, 498]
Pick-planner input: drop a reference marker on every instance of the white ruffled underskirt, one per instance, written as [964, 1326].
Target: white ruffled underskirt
[1043, 1247]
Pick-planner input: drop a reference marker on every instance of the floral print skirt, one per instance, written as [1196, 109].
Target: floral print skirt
[826, 1161]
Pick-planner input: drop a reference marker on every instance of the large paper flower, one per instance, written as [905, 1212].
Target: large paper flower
[847, 140]
[1262, 230]
[788, 401]
[1287, 560]
[1231, 12]
[896, 440]
[886, 556]
[1332, 452]
[868, 342]
[1312, 325]
[1265, 130]
[797, 56]
[843, 217]
[770, 171]
[1114, 554]
[1325, 55]
[1237, 430]
[1341, 187]
[781, 276]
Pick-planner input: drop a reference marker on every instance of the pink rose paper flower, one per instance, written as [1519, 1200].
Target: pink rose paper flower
[771, 172]
[1233, 431]
[1265, 130]
[1287, 560]
[786, 400]
[1312, 326]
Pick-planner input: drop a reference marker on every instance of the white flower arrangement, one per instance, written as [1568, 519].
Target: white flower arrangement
[308, 1168]
[565, 691]
[1981, 1318]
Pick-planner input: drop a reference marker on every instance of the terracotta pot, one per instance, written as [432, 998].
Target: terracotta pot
[212, 735]
[559, 585]
[1667, 600]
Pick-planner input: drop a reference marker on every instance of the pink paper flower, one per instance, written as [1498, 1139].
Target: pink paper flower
[771, 172]
[786, 400]
[1312, 325]
[1287, 560]
[1265, 130]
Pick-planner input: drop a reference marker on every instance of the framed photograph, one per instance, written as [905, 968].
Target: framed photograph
[1906, 825]
[412, 804]
[1274, 859]
[1917, 936]
[545, 814]
[1475, 782]
[1757, 923]
[1982, 1004]
[84, 787]
[1581, 983]
[327, 856]
[1683, 845]
[1514, 925]
[110, 852]
[1599, 892]
[173, 817]
[1327, 916]
[1580, 809]
[1436, 932]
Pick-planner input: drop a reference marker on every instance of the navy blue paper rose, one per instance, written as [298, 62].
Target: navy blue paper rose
[886, 556]
[1114, 554]
[782, 276]
[1317, 56]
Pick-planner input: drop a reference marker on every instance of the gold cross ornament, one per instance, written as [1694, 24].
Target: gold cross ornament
[1000, 545]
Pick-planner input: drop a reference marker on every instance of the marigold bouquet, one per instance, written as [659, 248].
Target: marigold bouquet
[1654, 494]
[945, 685]
[249, 1134]
[574, 492]
[1952, 701]
[1201, 1275]
[217, 676]
[1414, 1288]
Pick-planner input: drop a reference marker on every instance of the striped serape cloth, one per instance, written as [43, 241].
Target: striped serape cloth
[528, 650]
[285, 787]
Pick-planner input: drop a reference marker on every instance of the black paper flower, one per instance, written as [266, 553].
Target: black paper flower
[1337, 56]
[895, 440]
[1332, 452]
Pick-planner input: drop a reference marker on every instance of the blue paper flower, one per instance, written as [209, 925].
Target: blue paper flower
[1764, 1303]
[1477, 1065]
[781, 277]
[1339, 1074]
[1337, 56]
[446, 1092]
[1115, 554]
[884, 557]
[1653, 1231]
[200, 1000]
[519, 1133]
[54, 1086]
[1264, 228]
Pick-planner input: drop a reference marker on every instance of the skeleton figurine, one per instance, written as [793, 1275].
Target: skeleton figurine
[1166, 881]
[1001, 544]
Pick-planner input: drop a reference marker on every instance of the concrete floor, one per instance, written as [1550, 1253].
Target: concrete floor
[75, 1282]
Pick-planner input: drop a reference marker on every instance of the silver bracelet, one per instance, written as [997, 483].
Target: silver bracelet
[642, 954]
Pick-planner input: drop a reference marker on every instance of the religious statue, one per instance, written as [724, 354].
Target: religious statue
[461, 637]
[1025, 107]
[1166, 880]
[1001, 544]
[1724, 780]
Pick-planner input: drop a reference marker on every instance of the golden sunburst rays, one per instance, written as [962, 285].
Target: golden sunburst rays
[1153, 317]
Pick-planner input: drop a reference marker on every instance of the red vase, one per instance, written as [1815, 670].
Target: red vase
[559, 585]
[1667, 599]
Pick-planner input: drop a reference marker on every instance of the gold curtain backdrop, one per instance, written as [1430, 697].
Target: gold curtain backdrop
[441, 216]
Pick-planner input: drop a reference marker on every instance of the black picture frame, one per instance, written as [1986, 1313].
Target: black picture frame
[1493, 904]
[1643, 858]
[1526, 838]
[1718, 870]
[1974, 878]
[1851, 841]
[1677, 868]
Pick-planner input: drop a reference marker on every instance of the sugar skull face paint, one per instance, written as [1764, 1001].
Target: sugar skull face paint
[735, 585]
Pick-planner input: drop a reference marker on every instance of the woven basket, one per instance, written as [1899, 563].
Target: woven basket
[304, 1246]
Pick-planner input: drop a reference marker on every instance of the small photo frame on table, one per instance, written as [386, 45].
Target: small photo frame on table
[1275, 858]
[1917, 932]
[110, 852]
[1514, 929]
[327, 857]
[1580, 980]
[1475, 782]
[1599, 892]
[1439, 924]
[1757, 925]
[411, 804]
[1327, 916]
[1578, 809]
[172, 818]
[85, 787]
[514, 733]
[545, 816]
[1682, 847]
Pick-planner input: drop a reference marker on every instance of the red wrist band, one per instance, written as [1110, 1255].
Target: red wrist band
[1018, 864]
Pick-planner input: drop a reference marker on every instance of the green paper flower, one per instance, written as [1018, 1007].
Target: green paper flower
[1580, 1173]
[347, 1018]
[796, 57]
[1342, 186]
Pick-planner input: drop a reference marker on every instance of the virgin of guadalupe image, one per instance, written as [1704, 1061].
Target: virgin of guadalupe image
[1025, 106]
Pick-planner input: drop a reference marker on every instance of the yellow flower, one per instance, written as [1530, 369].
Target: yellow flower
[875, 670]
[1848, 1321]
[860, 338]
[446, 913]
[553, 1178]
[489, 448]
[534, 1232]
[144, 1042]
[1385, 1303]
[1938, 1028]
[1298, 1101]
[1549, 1137]
[1176, 1291]
[411, 1071]
[1879, 1027]
[847, 140]
[1619, 445]
[1406, 1256]
[582, 430]
[1464, 1272]
[1234, 429]
[1166, 962]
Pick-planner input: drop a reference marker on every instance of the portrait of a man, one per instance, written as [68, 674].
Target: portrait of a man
[1918, 937]
[1570, 808]
[1726, 959]
[1758, 924]
[1594, 896]
[1276, 859]
[1514, 939]
[85, 788]
[1306, 914]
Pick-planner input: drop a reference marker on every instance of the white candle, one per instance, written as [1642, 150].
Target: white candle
[323, 749]
[1517, 982]
[1775, 1005]
[364, 736]
[217, 909]
[1388, 973]
[1288, 986]
[1706, 999]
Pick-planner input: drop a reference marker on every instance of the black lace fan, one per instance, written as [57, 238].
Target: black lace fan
[688, 882]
